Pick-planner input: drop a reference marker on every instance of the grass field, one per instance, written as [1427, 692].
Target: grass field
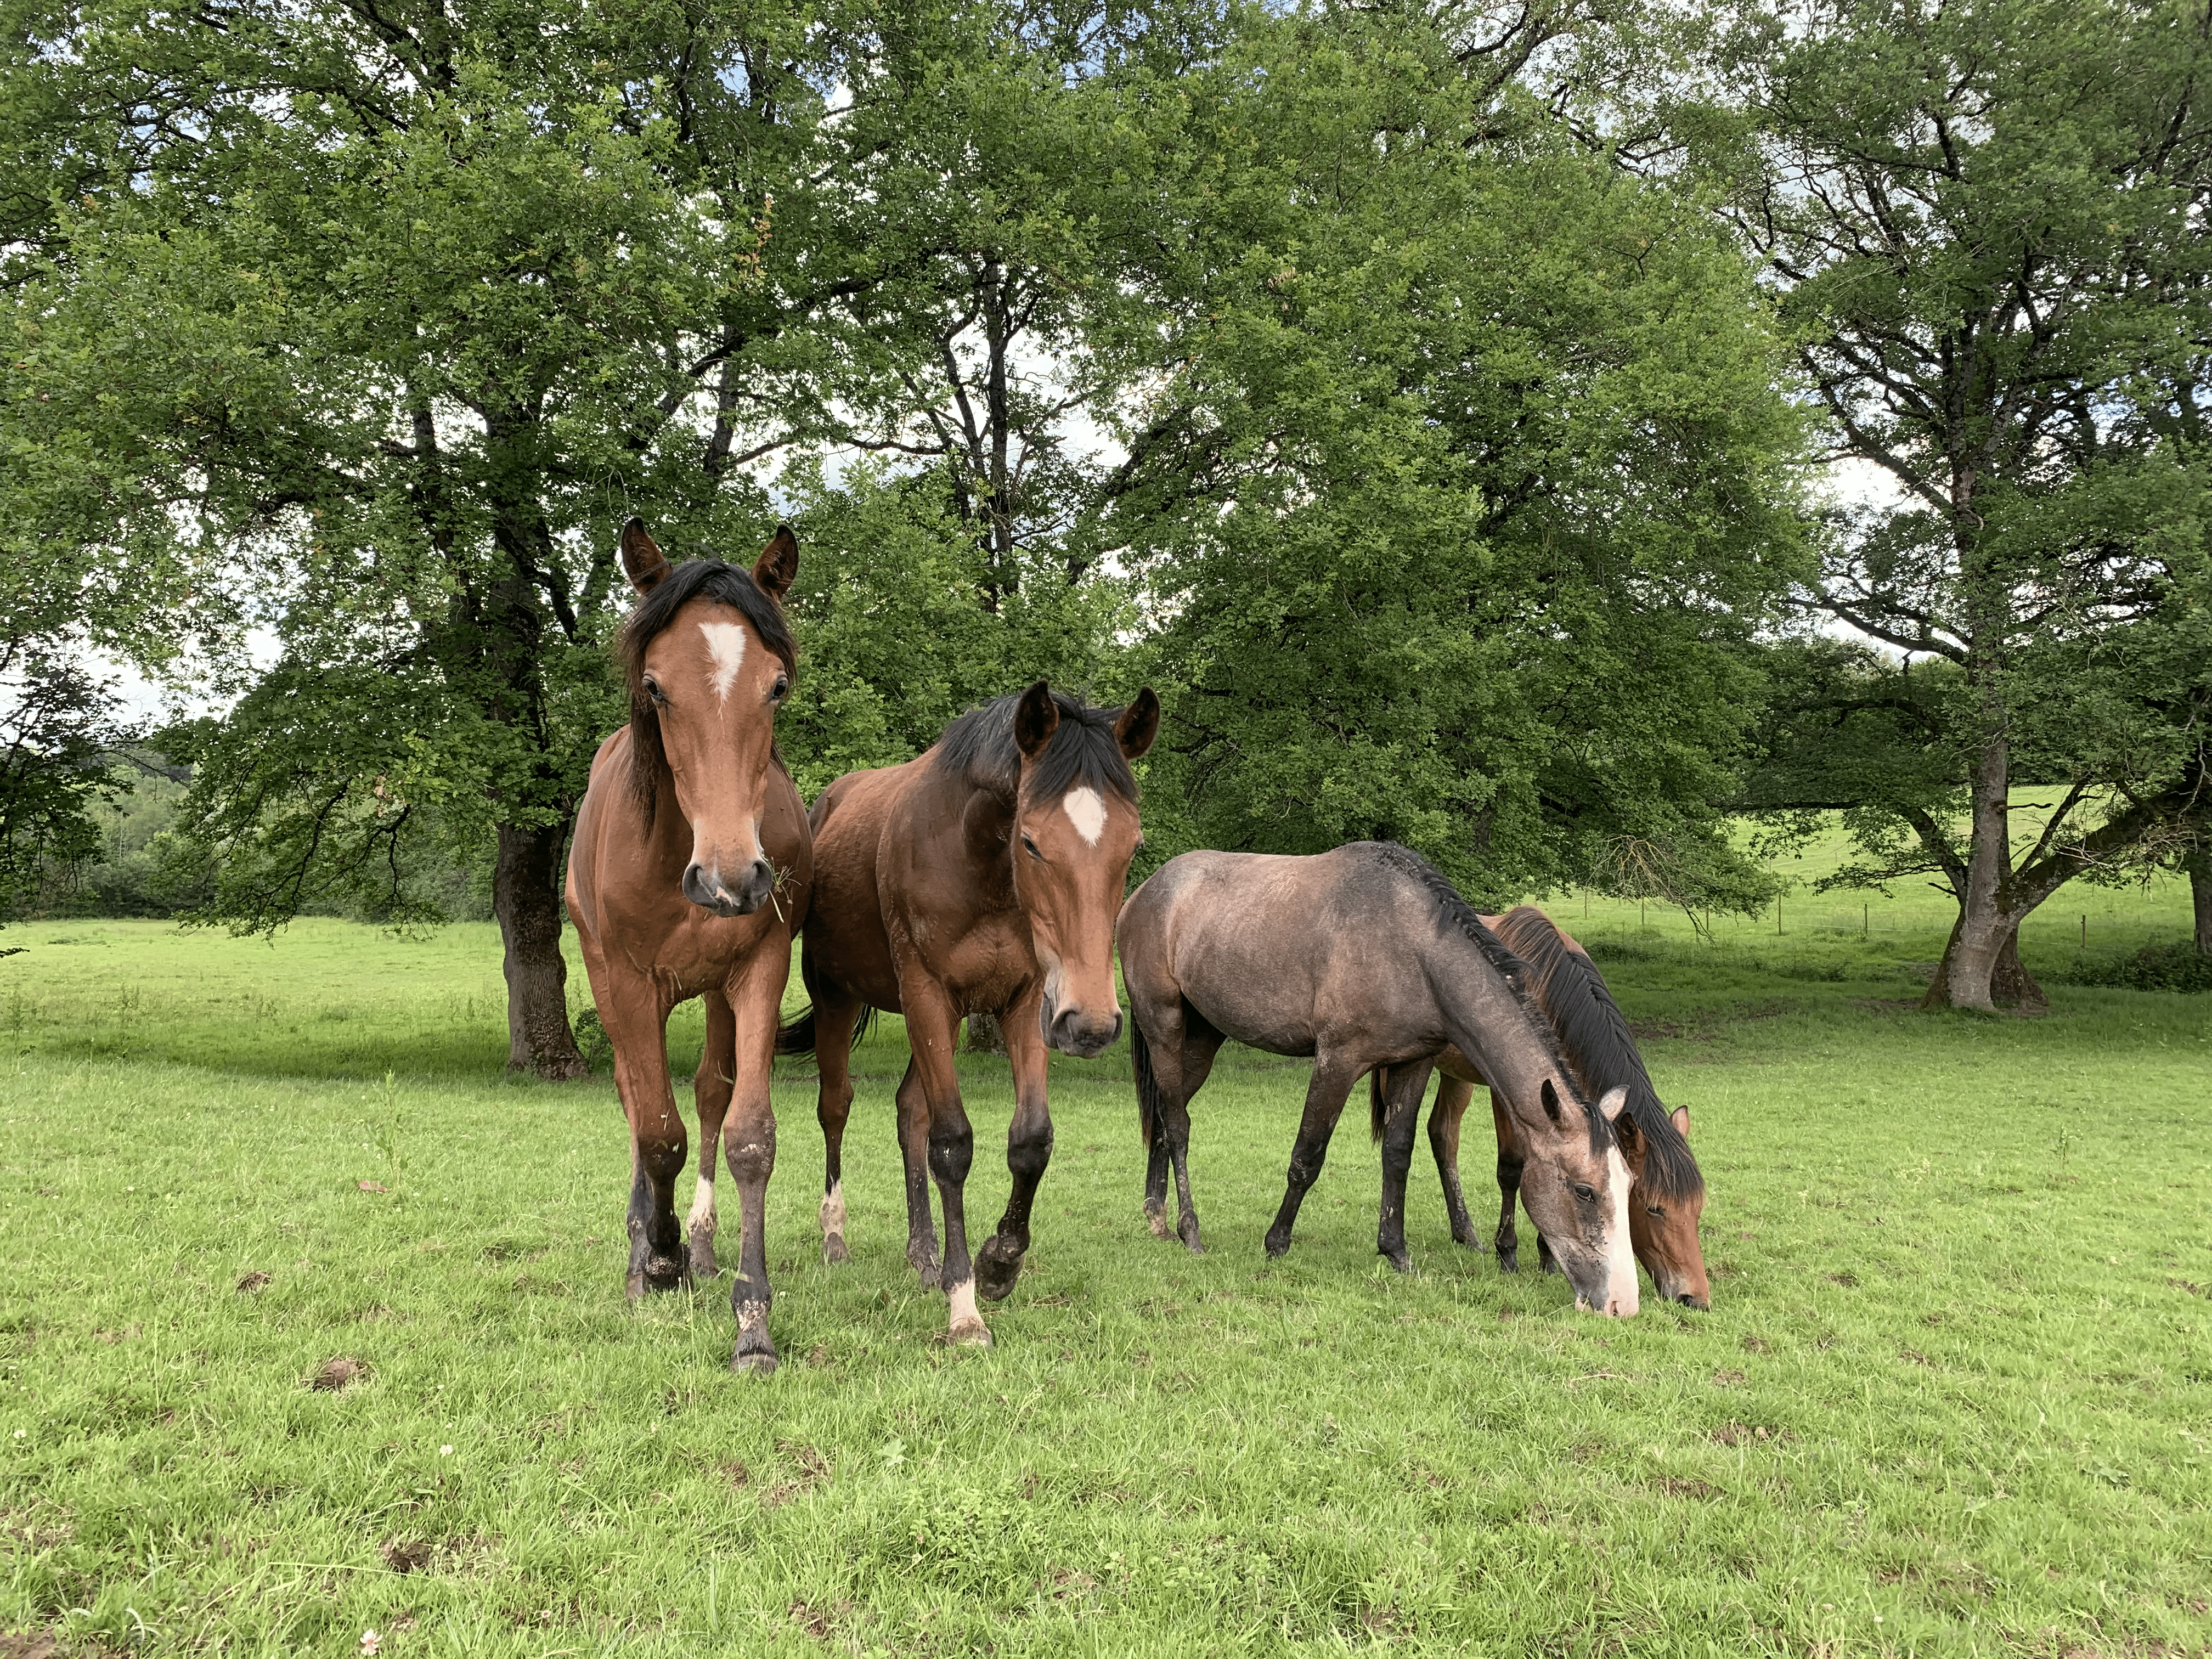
[1954, 1395]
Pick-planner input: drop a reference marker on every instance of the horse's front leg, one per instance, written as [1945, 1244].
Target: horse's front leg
[756, 997]
[1029, 1150]
[1400, 1088]
[1510, 1158]
[637, 1020]
[1444, 1120]
[710, 1091]
[1331, 1082]
[933, 1025]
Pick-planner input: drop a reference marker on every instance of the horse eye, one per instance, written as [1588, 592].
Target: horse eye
[1586, 1194]
[653, 691]
[782, 684]
[1032, 848]
[1655, 1209]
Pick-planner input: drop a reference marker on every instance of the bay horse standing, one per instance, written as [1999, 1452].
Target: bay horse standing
[981, 877]
[690, 876]
[1667, 1190]
[1362, 958]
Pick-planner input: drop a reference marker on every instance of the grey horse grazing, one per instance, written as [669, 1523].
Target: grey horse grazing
[1361, 957]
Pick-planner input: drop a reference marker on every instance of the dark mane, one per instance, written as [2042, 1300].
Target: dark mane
[1457, 913]
[1600, 1045]
[711, 579]
[1083, 753]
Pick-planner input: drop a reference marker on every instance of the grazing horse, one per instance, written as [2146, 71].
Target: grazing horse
[690, 874]
[981, 877]
[1361, 957]
[1666, 1191]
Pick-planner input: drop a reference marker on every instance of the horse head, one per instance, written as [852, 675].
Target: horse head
[1663, 1213]
[709, 659]
[1574, 1185]
[1075, 830]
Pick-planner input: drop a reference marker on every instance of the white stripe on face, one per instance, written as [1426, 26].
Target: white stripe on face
[1087, 813]
[1621, 1268]
[726, 643]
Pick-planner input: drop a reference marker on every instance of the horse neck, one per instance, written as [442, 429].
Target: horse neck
[984, 868]
[1487, 1020]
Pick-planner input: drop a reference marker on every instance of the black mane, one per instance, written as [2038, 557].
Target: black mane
[712, 579]
[1082, 752]
[1456, 912]
[1599, 1043]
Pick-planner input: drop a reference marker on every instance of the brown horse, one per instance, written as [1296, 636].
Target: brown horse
[1362, 958]
[690, 874]
[981, 877]
[1666, 1191]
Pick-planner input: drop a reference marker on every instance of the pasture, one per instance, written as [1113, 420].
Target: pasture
[1954, 1395]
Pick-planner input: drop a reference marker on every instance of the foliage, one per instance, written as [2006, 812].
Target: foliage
[1490, 461]
[1984, 223]
[57, 726]
[2154, 967]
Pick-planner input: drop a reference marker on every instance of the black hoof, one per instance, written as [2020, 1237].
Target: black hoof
[1402, 1260]
[1469, 1243]
[833, 1250]
[1277, 1247]
[665, 1272]
[998, 1265]
[753, 1362]
[1509, 1262]
[925, 1269]
[1187, 1231]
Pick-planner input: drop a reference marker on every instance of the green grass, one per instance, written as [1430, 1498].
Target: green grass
[1955, 1396]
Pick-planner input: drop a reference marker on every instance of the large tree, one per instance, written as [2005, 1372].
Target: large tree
[1988, 222]
[1491, 461]
[383, 316]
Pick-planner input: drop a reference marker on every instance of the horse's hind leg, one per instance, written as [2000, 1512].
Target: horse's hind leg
[1178, 1066]
[1029, 1150]
[1453, 1097]
[834, 1018]
[914, 1153]
[1402, 1087]
[710, 1088]
[1331, 1083]
[1510, 1159]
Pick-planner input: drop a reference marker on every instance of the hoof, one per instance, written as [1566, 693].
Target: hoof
[1509, 1262]
[969, 1333]
[925, 1271]
[1187, 1231]
[702, 1257]
[1400, 1260]
[1474, 1244]
[753, 1364]
[998, 1265]
[665, 1272]
[1155, 1217]
[1277, 1247]
[833, 1250]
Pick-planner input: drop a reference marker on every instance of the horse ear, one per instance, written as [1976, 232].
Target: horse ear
[1036, 717]
[1614, 1102]
[778, 563]
[1624, 1131]
[1550, 1096]
[643, 562]
[1139, 725]
[1679, 1117]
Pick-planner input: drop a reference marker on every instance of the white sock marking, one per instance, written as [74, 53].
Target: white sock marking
[726, 643]
[703, 1203]
[963, 1298]
[833, 1211]
[1087, 813]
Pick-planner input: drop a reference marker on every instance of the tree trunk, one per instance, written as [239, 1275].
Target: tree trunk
[2011, 985]
[526, 898]
[1984, 931]
[2199, 865]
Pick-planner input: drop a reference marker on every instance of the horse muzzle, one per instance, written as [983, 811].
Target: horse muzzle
[1075, 1032]
[705, 886]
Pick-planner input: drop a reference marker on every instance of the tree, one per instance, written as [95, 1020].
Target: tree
[1492, 466]
[378, 319]
[1986, 219]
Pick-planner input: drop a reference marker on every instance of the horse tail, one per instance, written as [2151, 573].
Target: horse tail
[864, 1022]
[797, 1038]
[1375, 1109]
[1148, 1086]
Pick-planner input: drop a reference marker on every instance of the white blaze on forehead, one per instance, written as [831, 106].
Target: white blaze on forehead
[726, 643]
[1621, 1268]
[1087, 813]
